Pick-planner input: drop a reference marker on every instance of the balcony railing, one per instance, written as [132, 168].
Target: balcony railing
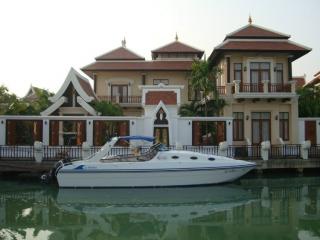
[276, 87]
[221, 90]
[251, 87]
[122, 99]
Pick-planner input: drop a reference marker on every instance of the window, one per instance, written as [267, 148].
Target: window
[237, 68]
[158, 81]
[119, 91]
[284, 125]
[259, 71]
[279, 73]
[238, 126]
[261, 130]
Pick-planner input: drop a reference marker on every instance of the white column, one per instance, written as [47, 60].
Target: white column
[236, 86]
[229, 131]
[89, 132]
[45, 131]
[133, 127]
[265, 86]
[2, 131]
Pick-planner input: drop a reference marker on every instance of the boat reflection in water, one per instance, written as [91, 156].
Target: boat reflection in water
[285, 208]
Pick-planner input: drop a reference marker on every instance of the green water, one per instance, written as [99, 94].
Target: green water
[252, 208]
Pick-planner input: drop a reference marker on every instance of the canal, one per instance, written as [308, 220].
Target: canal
[285, 207]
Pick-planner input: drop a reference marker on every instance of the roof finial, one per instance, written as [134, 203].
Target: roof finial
[123, 42]
[176, 38]
[250, 19]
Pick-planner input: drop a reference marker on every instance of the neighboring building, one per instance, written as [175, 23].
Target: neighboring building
[260, 91]
[300, 81]
[315, 81]
[32, 94]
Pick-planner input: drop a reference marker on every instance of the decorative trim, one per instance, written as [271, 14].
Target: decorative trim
[86, 106]
[54, 106]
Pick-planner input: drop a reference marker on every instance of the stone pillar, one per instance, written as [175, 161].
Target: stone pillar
[89, 132]
[86, 150]
[236, 86]
[265, 147]
[265, 86]
[229, 89]
[293, 86]
[304, 149]
[3, 132]
[45, 132]
[223, 148]
[38, 151]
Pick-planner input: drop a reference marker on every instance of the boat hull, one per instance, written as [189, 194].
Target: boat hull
[151, 177]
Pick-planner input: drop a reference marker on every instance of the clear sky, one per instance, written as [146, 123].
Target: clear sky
[40, 39]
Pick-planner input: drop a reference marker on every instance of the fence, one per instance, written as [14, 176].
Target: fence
[249, 152]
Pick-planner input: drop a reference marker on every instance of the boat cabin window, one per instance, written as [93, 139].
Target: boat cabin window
[193, 157]
[175, 157]
[211, 159]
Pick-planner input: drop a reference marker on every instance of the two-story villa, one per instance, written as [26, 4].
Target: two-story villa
[260, 93]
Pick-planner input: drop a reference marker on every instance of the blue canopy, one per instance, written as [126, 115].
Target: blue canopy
[145, 138]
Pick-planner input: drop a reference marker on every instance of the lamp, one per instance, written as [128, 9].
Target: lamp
[276, 118]
[247, 117]
[189, 122]
[132, 122]
[245, 68]
[229, 123]
[275, 69]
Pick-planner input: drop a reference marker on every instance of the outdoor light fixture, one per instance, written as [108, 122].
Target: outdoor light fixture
[276, 118]
[189, 122]
[45, 122]
[1, 121]
[229, 123]
[89, 122]
[275, 69]
[245, 68]
[132, 122]
[247, 117]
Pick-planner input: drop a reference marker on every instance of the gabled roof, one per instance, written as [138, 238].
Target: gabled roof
[254, 31]
[121, 53]
[81, 84]
[253, 38]
[177, 47]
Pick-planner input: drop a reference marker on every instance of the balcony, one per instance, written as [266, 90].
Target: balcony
[263, 90]
[124, 101]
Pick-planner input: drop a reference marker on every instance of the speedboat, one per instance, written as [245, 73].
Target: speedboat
[156, 167]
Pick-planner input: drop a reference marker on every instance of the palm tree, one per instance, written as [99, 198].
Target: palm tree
[203, 78]
[190, 110]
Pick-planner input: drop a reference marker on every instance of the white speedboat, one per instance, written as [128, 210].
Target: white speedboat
[156, 167]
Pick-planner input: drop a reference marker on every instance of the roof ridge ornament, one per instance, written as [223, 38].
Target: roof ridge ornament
[250, 19]
[124, 42]
[176, 37]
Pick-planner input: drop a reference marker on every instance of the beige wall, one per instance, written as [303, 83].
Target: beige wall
[274, 107]
[135, 79]
[252, 57]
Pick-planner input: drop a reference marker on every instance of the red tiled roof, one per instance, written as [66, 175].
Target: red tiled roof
[139, 66]
[120, 53]
[253, 31]
[261, 45]
[313, 82]
[86, 87]
[300, 81]
[177, 47]
[318, 73]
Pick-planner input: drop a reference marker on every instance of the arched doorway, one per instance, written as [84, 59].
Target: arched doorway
[161, 128]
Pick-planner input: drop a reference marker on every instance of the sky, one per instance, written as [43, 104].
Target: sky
[40, 40]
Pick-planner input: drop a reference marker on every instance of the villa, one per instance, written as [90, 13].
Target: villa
[256, 84]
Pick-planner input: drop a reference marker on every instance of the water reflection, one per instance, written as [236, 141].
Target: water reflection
[287, 208]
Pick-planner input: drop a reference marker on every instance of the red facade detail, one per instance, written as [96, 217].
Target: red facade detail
[54, 136]
[80, 132]
[167, 97]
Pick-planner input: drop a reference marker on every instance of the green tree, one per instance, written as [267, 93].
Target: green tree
[192, 109]
[203, 78]
[309, 102]
[107, 108]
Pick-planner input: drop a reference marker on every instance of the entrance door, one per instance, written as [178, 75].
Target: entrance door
[260, 127]
[162, 135]
[310, 129]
